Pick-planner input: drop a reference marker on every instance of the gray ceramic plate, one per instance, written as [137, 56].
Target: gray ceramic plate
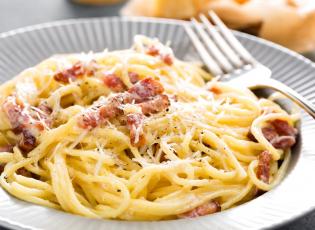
[295, 196]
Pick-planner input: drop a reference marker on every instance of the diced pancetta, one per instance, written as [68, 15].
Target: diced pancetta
[263, 169]
[146, 89]
[78, 70]
[280, 134]
[152, 50]
[6, 148]
[2, 168]
[27, 141]
[133, 77]
[24, 172]
[167, 59]
[269, 133]
[135, 126]
[283, 128]
[13, 108]
[283, 142]
[147, 94]
[202, 210]
[26, 120]
[215, 90]
[89, 120]
[156, 105]
[112, 108]
[113, 82]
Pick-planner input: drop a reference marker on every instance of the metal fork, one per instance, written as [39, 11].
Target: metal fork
[227, 59]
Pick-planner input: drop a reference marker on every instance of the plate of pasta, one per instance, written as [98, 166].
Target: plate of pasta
[114, 123]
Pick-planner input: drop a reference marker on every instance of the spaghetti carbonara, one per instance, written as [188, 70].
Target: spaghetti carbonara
[137, 135]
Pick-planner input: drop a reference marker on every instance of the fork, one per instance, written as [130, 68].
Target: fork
[227, 59]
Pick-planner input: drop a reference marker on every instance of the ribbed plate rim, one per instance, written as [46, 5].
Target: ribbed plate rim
[11, 223]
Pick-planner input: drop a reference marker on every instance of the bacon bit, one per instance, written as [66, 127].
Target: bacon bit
[156, 105]
[146, 93]
[133, 77]
[2, 168]
[88, 120]
[13, 110]
[39, 126]
[215, 90]
[113, 82]
[129, 153]
[109, 111]
[283, 142]
[61, 77]
[76, 71]
[263, 169]
[112, 108]
[20, 118]
[91, 67]
[167, 59]
[269, 133]
[152, 50]
[280, 134]
[251, 137]
[135, 126]
[21, 171]
[283, 128]
[23, 122]
[6, 148]
[163, 157]
[70, 74]
[202, 210]
[145, 89]
[28, 141]
[100, 112]
[24, 172]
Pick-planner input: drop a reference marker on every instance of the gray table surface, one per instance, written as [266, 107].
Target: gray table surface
[19, 13]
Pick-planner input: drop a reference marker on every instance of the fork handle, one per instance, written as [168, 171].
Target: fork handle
[290, 93]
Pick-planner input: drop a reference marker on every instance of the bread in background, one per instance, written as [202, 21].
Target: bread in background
[97, 2]
[288, 22]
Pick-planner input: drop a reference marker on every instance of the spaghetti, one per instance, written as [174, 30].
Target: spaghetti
[137, 135]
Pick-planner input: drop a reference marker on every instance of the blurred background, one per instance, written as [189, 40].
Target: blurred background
[290, 23]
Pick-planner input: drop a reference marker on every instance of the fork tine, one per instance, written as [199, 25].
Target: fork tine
[231, 38]
[206, 58]
[216, 53]
[220, 41]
